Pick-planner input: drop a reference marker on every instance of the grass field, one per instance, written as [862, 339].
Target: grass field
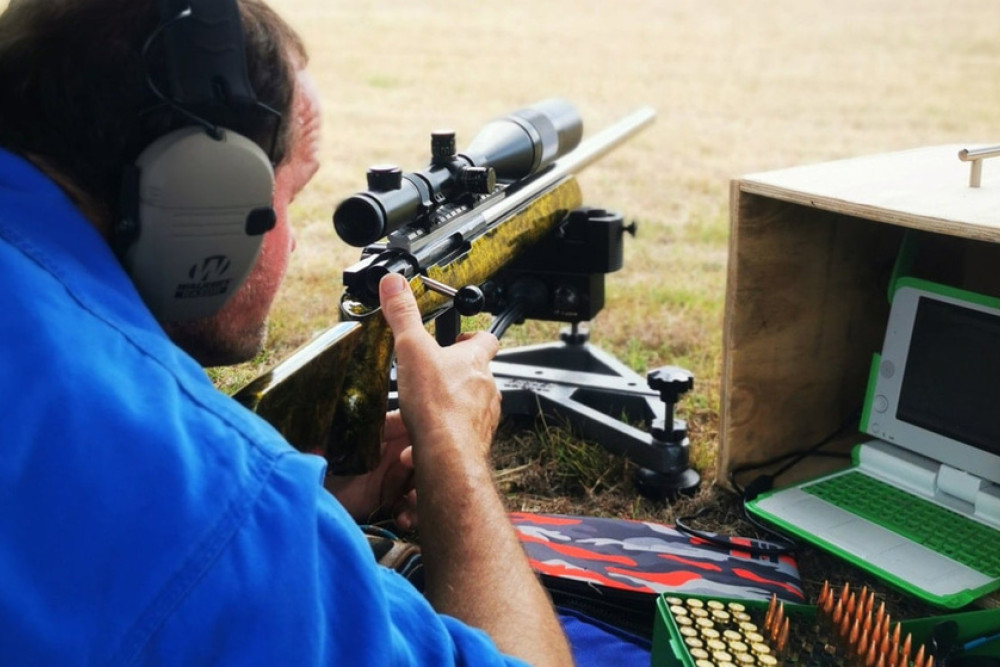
[738, 86]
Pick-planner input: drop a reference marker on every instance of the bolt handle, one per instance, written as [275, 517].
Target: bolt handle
[671, 382]
[468, 300]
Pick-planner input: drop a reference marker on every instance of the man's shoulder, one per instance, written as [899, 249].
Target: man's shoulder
[130, 471]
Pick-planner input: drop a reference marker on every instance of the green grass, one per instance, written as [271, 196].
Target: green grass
[738, 88]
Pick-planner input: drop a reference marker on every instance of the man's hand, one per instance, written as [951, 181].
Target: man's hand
[474, 566]
[446, 394]
[387, 491]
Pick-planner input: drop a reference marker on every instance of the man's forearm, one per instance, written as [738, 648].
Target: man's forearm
[475, 567]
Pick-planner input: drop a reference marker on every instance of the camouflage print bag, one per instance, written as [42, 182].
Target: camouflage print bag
[613, 569]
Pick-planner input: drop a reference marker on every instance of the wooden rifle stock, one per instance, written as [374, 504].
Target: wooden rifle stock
[330, 396]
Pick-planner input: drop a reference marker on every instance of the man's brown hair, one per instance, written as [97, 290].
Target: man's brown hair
[74, 85]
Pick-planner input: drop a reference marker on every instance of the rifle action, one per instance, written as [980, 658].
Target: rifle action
[448, 229]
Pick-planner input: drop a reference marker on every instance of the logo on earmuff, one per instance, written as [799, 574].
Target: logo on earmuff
[208, 278]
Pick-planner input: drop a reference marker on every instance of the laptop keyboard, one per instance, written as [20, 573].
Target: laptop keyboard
[947, 532]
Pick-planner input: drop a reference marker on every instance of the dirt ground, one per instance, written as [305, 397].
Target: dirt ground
[738, 87]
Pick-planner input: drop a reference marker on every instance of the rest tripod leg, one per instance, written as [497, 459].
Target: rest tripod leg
[577, 382]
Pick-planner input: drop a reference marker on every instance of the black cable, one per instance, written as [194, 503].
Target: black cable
[765, 482]
[778, 544]
[510, 315]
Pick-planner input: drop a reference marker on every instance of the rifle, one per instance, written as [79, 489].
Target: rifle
[458, 222]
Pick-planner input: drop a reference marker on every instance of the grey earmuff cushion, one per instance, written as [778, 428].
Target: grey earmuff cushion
[195, 196]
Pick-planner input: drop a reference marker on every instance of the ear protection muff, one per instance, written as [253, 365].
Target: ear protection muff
[197, 202]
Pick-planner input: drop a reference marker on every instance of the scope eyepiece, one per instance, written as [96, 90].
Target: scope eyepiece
[507, 149]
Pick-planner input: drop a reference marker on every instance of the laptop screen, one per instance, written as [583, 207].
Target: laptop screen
[936, 391]
[951, 381]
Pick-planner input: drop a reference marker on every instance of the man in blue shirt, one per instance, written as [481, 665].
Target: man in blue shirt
[147, 518]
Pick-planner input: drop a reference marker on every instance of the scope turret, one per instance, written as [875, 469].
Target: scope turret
[506, 149]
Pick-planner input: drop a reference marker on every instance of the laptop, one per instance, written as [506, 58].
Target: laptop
[920, 505]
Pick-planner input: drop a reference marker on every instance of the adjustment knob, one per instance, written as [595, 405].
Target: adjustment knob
[670, 381]
[384, 178]
[478, 180]
[566, 299]
[442, 146]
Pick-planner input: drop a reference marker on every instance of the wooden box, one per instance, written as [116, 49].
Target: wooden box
[812, 250]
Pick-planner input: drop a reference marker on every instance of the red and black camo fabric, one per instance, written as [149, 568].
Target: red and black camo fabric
[643, 557]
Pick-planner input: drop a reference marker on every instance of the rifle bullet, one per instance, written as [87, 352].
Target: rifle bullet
[828, 605]
[721, 656]
[838, 614]
[720, 616]
[884, 645]
[854, 636]
[738, 648]
[872, 644]
[823, 593]
[693, 642]
[699, 653]
[871, 657]
[919, 660]
[862, 647]
[783, 636]
[845, 626]
[769, 616]
[907, 645]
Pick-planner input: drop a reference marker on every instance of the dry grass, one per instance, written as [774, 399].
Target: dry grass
[739, 87]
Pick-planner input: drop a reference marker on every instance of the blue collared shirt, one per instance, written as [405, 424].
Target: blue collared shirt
[144, 516]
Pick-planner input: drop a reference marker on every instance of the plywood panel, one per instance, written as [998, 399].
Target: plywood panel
[806, 306]
[812, 252]
[925, 188]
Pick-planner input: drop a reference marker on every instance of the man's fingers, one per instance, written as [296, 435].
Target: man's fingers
[394, 429]
[398, 305]
[486, 341]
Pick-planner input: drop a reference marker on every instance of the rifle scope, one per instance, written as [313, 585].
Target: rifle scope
[507, 149]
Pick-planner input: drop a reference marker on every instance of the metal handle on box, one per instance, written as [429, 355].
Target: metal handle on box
[976, 157]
